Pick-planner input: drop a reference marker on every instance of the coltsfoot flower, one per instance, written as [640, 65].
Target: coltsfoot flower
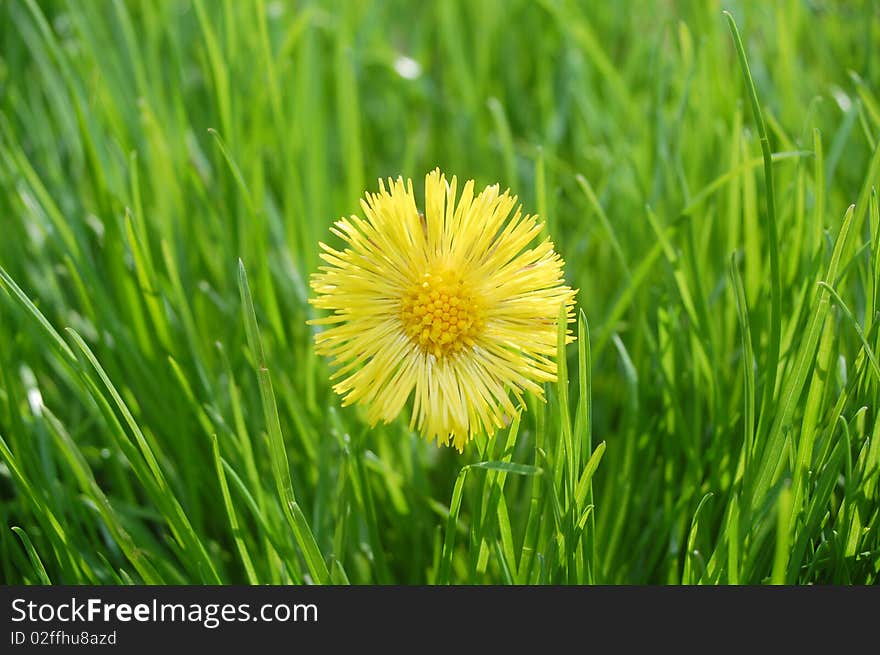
[455, 308]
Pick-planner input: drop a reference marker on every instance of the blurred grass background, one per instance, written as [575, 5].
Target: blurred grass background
[163, 416]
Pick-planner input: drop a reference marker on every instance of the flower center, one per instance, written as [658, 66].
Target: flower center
[440, 314]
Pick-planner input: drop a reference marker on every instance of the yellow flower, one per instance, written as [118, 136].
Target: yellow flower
[453, 307]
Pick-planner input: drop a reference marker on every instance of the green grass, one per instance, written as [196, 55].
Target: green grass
[167, 169]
